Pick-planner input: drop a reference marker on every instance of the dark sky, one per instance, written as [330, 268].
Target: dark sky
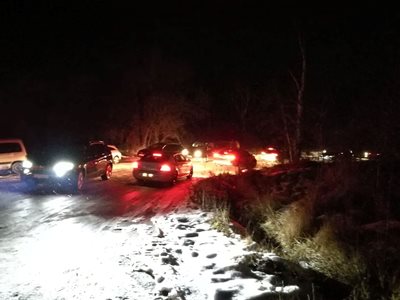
[352, 53]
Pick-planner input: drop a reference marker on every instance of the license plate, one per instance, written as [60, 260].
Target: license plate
[41, 176]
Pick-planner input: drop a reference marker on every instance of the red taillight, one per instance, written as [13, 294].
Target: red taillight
[165, 168]
[156, 154]
[135, 165]
[230, 157]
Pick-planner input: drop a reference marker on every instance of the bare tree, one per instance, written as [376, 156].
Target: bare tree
[242, 103]
[293, 118]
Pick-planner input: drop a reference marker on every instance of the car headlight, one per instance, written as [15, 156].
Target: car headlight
[62, 167]
[185, 152]
[27, 164]
[198, 153]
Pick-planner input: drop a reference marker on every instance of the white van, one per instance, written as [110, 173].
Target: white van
[12, 154]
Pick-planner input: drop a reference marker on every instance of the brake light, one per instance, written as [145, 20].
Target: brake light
[230, 157]
[135, 165]
[165, 168]
[157, 154]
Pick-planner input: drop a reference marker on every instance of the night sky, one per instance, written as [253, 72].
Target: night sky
[85, 61]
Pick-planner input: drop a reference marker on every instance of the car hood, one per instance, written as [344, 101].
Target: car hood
[48, 157]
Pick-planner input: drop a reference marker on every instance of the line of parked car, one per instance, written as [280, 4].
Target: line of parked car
[62, 163]
[68, 163]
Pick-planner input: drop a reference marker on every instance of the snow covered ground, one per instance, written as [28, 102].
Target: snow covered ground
[174, 256]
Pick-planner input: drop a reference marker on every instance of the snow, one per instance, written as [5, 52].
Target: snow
[173, 256]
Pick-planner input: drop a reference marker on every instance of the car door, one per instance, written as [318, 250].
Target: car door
[90, 161]
[182, 165]
[100, 154]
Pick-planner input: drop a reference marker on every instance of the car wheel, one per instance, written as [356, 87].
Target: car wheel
[16, 168]
[190, 174]
[174, 179]
[116, 159]
[107, 172]
[140, 182]
[77, 183]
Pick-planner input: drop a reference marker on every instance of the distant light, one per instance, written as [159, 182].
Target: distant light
[185, 152]
[198, 154]
[271, 157]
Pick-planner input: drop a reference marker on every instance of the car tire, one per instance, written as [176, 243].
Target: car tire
[116, 159]
[107, 173]
[190, 174]
[174, 179]
[79, 182]
[16, 167]
[140, 182]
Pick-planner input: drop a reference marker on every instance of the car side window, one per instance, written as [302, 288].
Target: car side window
[10, 147]
[96, 150]
[179, 158]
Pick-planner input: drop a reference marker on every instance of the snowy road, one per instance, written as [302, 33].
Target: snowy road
[118, 240]
[46, 236]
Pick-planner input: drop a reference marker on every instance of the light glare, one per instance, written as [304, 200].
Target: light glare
[26, 164]
[62, 167]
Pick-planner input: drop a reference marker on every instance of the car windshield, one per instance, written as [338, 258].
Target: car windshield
[56, 147]
[156, 146]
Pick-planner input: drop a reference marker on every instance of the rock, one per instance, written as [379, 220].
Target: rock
[182, 226]
[213, 255]
[183, 219]
[160, 279]
[188, 242]
[170, 260]
[217, 280]
[191, 234]
[209, 267]
[160, 233]
[224, 295]
[165, 291]
[195, 254]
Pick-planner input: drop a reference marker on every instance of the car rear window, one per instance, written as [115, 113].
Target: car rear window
[10, 147]
[152, 158]
[173, 148]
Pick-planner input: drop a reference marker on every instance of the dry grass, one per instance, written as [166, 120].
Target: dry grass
[322, 218]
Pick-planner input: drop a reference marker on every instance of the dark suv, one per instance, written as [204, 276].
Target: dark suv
[67, 164]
